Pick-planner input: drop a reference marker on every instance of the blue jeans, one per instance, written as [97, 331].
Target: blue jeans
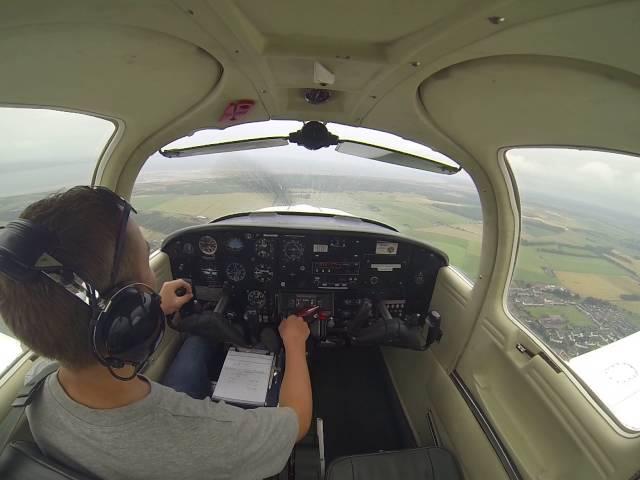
[192, 368]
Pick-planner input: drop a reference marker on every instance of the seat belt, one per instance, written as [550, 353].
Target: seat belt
[12, 421]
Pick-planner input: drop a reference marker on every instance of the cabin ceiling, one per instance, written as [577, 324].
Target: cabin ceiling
[448, 74]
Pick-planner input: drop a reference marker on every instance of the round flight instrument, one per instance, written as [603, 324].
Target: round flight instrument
[235, 272]
[264, 248]
[234, 244]
[293, 250]
[263, 273]
[208, 245]
[256, 298]
[187, 249]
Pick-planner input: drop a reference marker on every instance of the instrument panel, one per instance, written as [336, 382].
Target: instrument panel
[268, 273]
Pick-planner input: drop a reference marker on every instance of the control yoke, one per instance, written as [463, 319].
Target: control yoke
[415, 332]
[209, 323]
[361, 318]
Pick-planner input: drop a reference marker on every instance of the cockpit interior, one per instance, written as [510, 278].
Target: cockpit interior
[447, 192]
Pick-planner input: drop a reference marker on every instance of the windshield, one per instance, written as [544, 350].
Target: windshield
[442, 210]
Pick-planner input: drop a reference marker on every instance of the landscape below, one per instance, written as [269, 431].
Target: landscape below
[576, 283]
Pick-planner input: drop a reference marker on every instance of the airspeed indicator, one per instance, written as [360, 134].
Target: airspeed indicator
[208, 245]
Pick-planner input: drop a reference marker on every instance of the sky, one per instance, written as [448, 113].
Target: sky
[608, 179]
[43, 150]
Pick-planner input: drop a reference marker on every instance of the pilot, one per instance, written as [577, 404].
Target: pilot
[88, 419]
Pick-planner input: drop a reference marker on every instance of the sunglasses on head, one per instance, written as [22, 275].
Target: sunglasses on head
[125, 208]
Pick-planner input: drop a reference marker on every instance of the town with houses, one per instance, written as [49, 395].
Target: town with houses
[608, 322]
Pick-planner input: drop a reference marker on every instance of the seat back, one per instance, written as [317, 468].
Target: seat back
[427, 463]
[24, 460]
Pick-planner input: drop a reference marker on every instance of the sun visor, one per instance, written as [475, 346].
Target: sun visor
[394, 157]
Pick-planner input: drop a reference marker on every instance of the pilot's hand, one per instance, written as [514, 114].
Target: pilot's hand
[294, 331]
[171, 300]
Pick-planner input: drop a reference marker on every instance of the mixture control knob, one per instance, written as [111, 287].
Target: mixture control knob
[374, 280]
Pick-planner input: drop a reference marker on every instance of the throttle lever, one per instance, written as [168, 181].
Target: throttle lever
[307, 312]
[311, 314]
[316, 318]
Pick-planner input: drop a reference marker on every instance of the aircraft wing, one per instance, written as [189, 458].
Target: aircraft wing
[613, 373]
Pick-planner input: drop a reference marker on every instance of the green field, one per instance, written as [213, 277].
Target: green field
[580, 257]
[630, 306]
[570, 263]
[548, 251]
[529, 267]
[591, 255]
[409, 213]
[569, 312]
[633, 311]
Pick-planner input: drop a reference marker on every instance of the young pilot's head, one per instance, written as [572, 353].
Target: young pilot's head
[42, 314]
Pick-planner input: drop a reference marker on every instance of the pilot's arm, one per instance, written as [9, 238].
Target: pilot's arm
[295, 391]
[265, 436]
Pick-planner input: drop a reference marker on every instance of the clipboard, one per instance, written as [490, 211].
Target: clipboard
[246, 377]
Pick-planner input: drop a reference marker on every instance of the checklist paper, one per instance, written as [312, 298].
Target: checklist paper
[244, 378]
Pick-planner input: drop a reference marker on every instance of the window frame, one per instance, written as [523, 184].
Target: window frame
[516, 209]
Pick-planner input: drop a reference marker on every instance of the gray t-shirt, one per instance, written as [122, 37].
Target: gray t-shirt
[166, 435]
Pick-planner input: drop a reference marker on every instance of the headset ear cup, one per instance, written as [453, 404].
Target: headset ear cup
[130, 327]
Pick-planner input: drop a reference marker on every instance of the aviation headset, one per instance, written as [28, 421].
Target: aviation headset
[126, 323]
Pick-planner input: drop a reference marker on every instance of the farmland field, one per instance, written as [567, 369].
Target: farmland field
[163, 209]
[633, 307]
[598, 285]
[568, 312]
[572, 257]
[591, 253]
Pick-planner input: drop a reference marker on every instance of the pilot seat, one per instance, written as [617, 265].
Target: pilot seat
[427, 463]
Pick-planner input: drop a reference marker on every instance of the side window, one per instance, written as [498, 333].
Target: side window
[442, 210]
[41, 152]
[10, 348]
[576, 283]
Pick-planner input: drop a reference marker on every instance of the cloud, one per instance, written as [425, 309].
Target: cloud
[41, 135]
[600, 170]
[594, 177]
